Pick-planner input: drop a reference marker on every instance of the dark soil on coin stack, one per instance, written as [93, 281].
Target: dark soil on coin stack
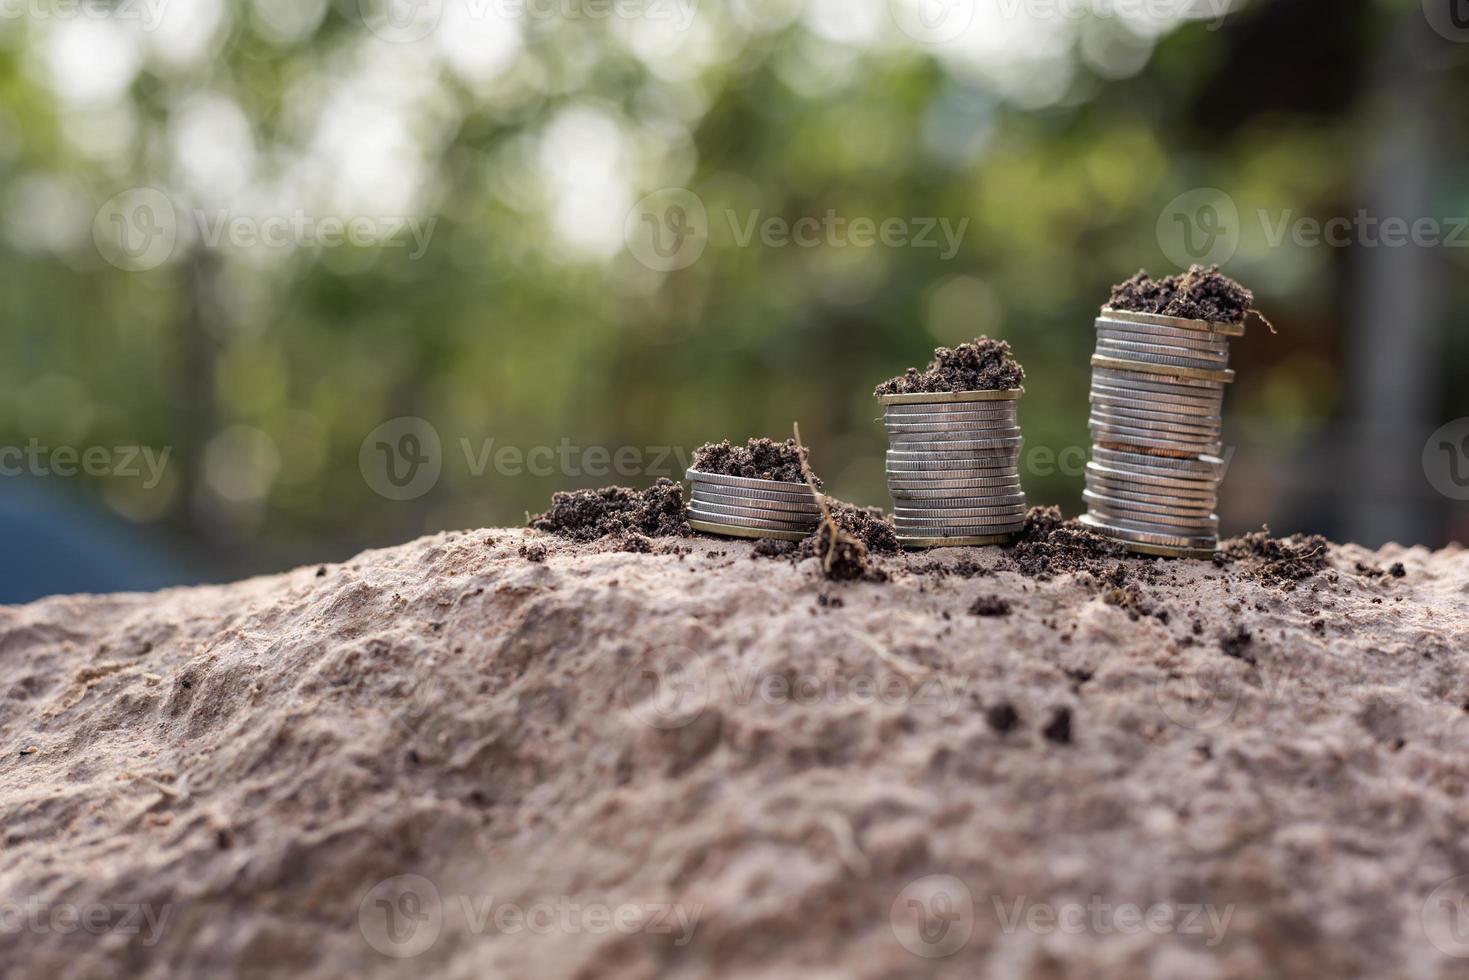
[1198, 294]
[758, 459]
[985, 365]
[443, 759]
[588, 515]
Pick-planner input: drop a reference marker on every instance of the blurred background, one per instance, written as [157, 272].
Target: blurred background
[283, 279]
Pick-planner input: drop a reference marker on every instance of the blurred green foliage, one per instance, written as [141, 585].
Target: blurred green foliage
[266, 368]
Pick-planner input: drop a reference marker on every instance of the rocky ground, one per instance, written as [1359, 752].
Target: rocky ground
[499, 754]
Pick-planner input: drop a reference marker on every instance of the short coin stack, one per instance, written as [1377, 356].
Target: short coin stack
[1157, 399]
[953, 467]
[741, 507]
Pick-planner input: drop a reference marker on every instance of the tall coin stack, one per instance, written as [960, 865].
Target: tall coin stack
[953, 467]
[1157, 398]
[741, 507]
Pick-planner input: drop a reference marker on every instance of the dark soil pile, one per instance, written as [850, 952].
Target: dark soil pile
[588, 515]
[1276, 561]
[867, 524]
[758, 459]
[985, 365]
[1050, 545]
[1198, 294]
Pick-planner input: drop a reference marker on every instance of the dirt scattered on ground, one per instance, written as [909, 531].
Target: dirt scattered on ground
[1050, 545]
[533, 551]
[985, 365]
[774, 548]
[1281, 562]
[589, 515]
[758, 459]
[1058, 729]
[1002, 717]
[1198, 294]
[991, 605]
[1237, 645]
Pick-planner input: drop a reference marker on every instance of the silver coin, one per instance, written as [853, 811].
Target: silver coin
[1214, 404]
[951, 464]
[959, 528]
[987, 410]
[1190, 409]
[943, 441]
[1158, 413]
[1148, 354]
[799, 493]
[1103, 417]
[1211, 467]
[1146, 537]
[1193, 508]
[955, 445]
[994, 429]
[1148, 381]
[1189, 526]
[1165, 481]
[807, 506]
[1163, 335]
[952, 514]
[1001, 410]
[933, 537]
[1123, 436]
[960, 501]
[1147, 504]
[758, 513]
[1128, 489]
[695, 476]
[915, 498]
[737, 520]
[1158, 319]
[900, 485]
[952, 397]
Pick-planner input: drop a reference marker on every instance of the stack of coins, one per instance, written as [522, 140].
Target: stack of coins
[953, 467]
[1157, 399]
[740, 507]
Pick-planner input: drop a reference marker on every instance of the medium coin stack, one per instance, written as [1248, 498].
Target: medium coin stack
[953, 467]
[741, 507]
[1157, 399]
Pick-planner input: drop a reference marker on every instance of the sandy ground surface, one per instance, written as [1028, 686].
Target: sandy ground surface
[445, 759]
